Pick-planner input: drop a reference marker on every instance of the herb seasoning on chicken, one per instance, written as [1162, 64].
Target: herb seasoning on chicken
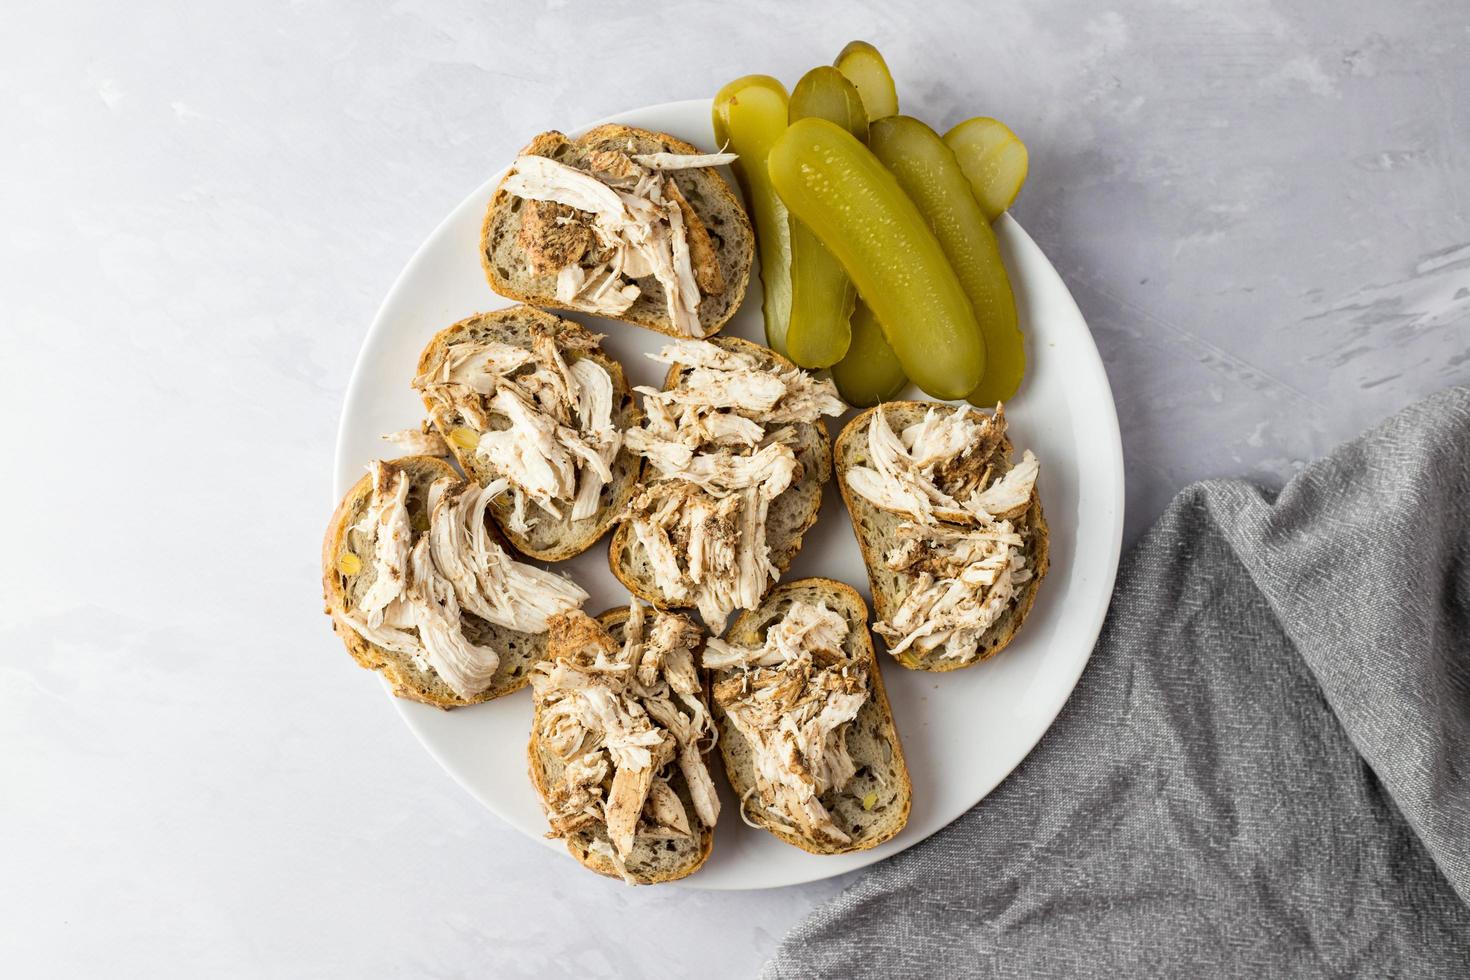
[619, 220]
[426, 580]
[721, 444]
[962, 547]
[793, 698]
[628, 728]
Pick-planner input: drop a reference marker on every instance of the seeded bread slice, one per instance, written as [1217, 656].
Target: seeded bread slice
[342, 592]
[790, 515]
[508, 268]
[872, 737]
[874, 529]
[550, 538]
[652, 860]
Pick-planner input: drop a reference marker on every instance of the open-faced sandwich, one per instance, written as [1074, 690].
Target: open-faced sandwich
[529, 398]
[624, 223]
[805, 729]
[949, 525]
[620, 741]
[737, 454]
[421, 590]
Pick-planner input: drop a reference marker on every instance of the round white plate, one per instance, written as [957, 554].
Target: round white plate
[962, 732]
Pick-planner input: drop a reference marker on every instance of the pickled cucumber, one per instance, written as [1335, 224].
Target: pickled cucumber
[822, 296]
[994, 161]
[749, 116]
[866, 69]
[927, 170]
[840, 190]
[870, 372]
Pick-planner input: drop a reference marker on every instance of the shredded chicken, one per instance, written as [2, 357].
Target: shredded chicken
[422, 588]
[792, 698]
[719, 445]
[539, 421]
[423, 441]
[640, 225]
[963, 548]
[626, 720]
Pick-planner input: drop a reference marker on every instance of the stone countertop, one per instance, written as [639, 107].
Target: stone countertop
[1259, 207]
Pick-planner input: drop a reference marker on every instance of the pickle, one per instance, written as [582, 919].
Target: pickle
[866, 69]
[994, 161]
[749, 116]
[870, 372]
[822, 296]
[927, 170]
[840, 190]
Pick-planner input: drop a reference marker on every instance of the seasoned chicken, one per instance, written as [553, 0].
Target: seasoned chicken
[423, 588]
[423, 441]
[633, 711]
[541, 419]
[717, 445]
[792, 699]
[630, 219]
[961, 545]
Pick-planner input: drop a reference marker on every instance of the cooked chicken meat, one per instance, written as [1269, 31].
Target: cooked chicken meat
[792, 698]
[423, 441]
[964, 545]
[719, 447]
[540, 421]
[422, 589]
[625, 720]
[618, 221]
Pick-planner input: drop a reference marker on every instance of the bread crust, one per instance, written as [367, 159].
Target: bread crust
[850, 602]
[404, 678]
[741, 238]
[578, 844]
[626, 466]
[816, 472]
[886, 601]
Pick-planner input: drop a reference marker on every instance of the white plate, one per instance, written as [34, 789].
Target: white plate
[962, 732]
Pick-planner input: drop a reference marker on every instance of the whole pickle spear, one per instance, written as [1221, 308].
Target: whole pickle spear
[994, 161]
[822, 296]
[870, 373]
[929, 173]
[749, 116]
[866, 69]
[842, 192]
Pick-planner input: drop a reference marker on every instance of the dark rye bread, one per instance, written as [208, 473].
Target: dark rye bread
[550, 539]
[508, 268]
[874, 529]
[790, 516]
[652, 860]
[872, 738]
[517, 650]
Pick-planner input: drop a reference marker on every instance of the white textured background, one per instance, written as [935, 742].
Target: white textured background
[1258, 205]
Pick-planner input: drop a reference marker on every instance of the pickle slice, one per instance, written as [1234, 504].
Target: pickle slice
[927, 170]
[822, 296]
[866, 69]
[994, 161]
[870, 372]
[749, 116]
[840, 190]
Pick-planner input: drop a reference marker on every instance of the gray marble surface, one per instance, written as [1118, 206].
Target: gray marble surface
[1259, 206]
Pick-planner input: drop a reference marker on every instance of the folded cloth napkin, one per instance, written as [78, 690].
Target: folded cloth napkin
[1264, 771]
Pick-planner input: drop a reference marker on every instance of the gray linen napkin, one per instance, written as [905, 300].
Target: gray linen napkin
[1264, 771]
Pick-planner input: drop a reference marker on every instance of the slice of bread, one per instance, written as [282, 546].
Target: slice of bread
[874, 529]
[550, 538]
[518, 651]
[652, 860]
[508, 267]
[790, 516]
[872, 738]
